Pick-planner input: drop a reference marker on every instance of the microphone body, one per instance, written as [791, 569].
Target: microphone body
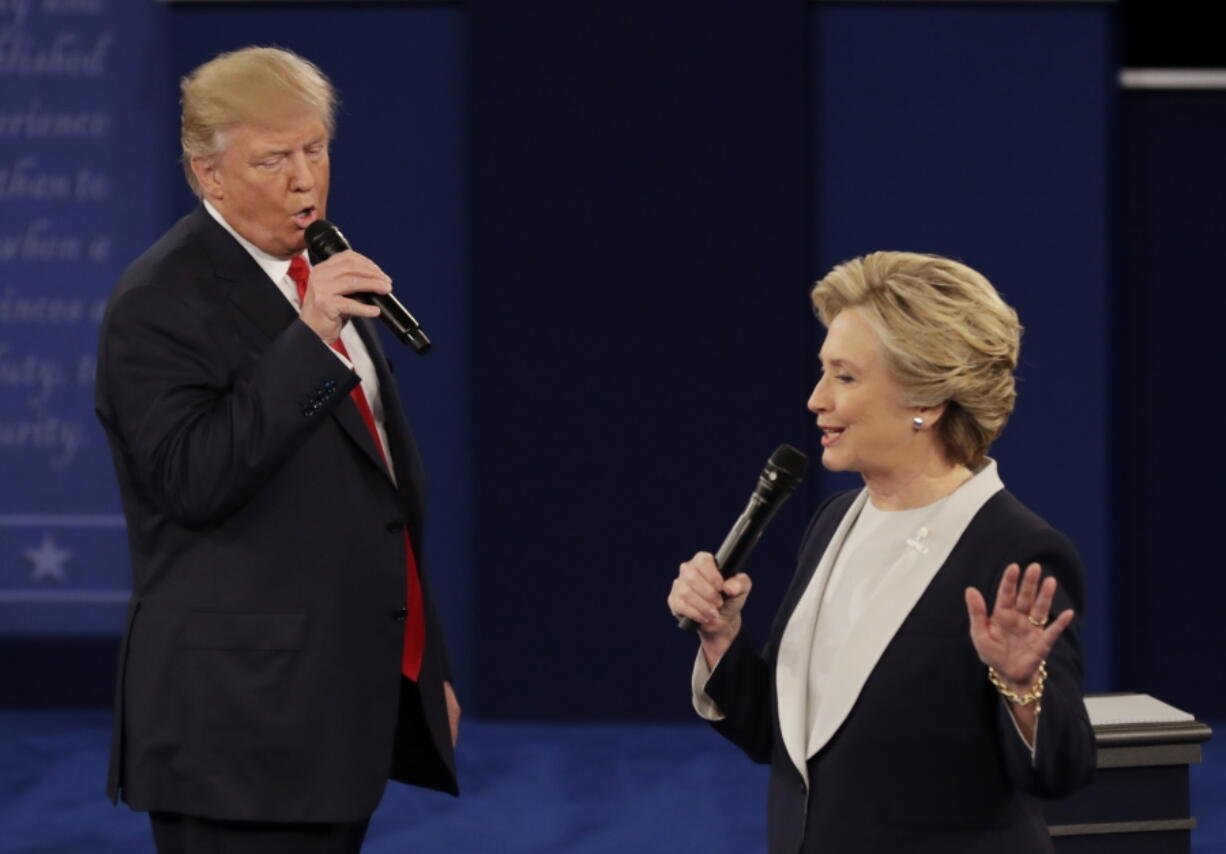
[783, 472]
[323, 241]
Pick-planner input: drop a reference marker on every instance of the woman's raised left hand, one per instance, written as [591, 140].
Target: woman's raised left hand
[1018, 635]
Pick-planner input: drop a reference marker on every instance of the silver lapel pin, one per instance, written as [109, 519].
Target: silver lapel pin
[917, 542]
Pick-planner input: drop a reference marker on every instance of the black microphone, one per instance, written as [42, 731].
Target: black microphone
[323, 241]
[783, 472]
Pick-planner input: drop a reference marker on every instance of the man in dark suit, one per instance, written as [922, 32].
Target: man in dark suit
[282, 657]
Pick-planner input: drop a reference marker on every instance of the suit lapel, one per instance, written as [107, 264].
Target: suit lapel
[350, 419]
[247, 286]
[796, 642]
[403, 450]
[923, 554]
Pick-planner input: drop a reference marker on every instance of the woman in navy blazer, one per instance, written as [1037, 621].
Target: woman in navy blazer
[899, 709]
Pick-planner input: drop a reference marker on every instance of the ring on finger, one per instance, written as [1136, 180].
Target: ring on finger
[1037, 623]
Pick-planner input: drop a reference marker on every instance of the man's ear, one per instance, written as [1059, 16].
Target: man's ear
[208, 177]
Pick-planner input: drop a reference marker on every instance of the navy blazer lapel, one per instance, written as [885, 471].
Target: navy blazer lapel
[792, 647]
[905, 580]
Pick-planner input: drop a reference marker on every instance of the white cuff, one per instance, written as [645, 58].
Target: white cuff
[704, 705]
[1018, 730]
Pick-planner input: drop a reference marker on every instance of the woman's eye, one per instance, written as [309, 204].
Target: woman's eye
[841, 378]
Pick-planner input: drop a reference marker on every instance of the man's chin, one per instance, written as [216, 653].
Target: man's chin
[295, 246]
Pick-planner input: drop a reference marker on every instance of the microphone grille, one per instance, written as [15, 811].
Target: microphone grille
[324, 240]
[789, 462]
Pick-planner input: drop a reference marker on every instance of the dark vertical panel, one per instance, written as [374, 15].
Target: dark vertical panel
[1171, 470]
[58, 671]
[981, 132]
[641, 328]
[1172, 35]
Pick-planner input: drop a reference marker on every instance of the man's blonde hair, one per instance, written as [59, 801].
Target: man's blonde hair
[948, 338]
[261, 86]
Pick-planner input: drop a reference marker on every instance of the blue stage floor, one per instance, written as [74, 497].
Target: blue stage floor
[540, 788]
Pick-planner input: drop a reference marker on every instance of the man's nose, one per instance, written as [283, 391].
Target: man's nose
[301, 178]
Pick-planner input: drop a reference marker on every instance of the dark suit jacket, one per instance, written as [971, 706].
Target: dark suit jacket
[928, 760]
[259, 677]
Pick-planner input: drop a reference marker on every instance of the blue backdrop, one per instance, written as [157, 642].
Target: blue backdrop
[608, 216]
[82, 189]
[1167, 436]
[982, 132]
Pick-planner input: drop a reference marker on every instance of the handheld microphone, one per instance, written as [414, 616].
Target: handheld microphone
[783, 472]
[323, 241]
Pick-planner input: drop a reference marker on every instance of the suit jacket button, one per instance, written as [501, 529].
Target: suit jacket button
[395, 526]
[400, 614]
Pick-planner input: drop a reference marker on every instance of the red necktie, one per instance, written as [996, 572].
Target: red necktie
[415, 623]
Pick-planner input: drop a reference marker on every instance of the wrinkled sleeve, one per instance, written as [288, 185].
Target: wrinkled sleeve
[740, 688]
[203, 435]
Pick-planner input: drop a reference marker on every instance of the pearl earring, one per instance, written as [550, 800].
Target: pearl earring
[917, 423]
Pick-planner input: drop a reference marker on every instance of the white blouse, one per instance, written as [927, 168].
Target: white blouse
[875, 567]
[868, 558]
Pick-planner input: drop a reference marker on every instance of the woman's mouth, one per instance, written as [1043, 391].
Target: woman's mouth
[830, 435]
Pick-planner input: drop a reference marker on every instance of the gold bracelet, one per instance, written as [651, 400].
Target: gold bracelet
[1034, 695]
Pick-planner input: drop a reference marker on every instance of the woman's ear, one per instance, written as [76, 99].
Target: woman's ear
[930, 415]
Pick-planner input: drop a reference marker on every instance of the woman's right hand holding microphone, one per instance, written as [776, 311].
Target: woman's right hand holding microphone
[702, 594]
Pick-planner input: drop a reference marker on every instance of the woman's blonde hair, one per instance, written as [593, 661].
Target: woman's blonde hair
[948, 338]
[262, 86]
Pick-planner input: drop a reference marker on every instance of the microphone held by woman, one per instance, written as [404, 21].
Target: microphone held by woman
[783, 473]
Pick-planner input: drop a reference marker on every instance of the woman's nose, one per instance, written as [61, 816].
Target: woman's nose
[818, 402]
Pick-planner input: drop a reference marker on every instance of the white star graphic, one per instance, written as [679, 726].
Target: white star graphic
[48, 560]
